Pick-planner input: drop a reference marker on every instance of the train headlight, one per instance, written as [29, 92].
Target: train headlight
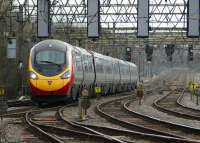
[33, 76]
[66, 75]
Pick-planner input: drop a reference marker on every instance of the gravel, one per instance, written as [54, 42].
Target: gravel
[72, 113]
[147, 109]
[11, 132]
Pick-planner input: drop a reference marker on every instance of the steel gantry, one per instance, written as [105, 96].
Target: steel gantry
[167, 19]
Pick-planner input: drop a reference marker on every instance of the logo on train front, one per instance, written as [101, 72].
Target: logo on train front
[49, 82]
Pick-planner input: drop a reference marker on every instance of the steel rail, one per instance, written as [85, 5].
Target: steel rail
[69, 132]
[180, 130]
[18, 103]
[151, 137]
[133, 125]
[41, 133]
[77, 126]
[52, 133]
[178, 109]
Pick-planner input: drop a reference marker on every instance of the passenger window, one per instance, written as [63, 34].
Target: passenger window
[77, 61]
[98, 65]
[91, 65]
[79, 65]
[85, 63]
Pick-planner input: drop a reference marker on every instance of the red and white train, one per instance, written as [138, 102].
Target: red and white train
[59, 71]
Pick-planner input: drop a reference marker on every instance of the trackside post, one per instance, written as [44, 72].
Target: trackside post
[140, 93]
[84, 104]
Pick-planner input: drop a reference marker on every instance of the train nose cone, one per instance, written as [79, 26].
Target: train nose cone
[49, 85]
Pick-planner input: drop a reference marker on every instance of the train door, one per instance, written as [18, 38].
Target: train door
[78, 69]
[85, 68]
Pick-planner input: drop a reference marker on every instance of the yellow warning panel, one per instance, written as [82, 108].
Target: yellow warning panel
[2, 92]
[193, 86]
[97, 89]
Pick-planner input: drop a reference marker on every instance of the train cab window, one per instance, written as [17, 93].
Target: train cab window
[99, 65]
[50, 62]
[50, 56]
[90, 64]
[85, 63]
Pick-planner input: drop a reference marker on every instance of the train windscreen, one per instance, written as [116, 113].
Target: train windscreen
[50, 62]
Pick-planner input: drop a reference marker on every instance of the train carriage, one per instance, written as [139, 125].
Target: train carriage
[58, 71]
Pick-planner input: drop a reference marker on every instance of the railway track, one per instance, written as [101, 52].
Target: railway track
[180, 130]
[17, 112]
[179, 101]
[40, 133]
[51, 129]
[19, 103]
[114, 112]
[124, 135]
[130, 136]
[18, 108]
[171, 104]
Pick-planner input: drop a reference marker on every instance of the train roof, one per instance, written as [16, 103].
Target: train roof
[132, 64]
[84, 51]
[63, 45]
[51, 41]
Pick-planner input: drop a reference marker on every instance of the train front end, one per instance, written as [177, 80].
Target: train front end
[50, 71]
